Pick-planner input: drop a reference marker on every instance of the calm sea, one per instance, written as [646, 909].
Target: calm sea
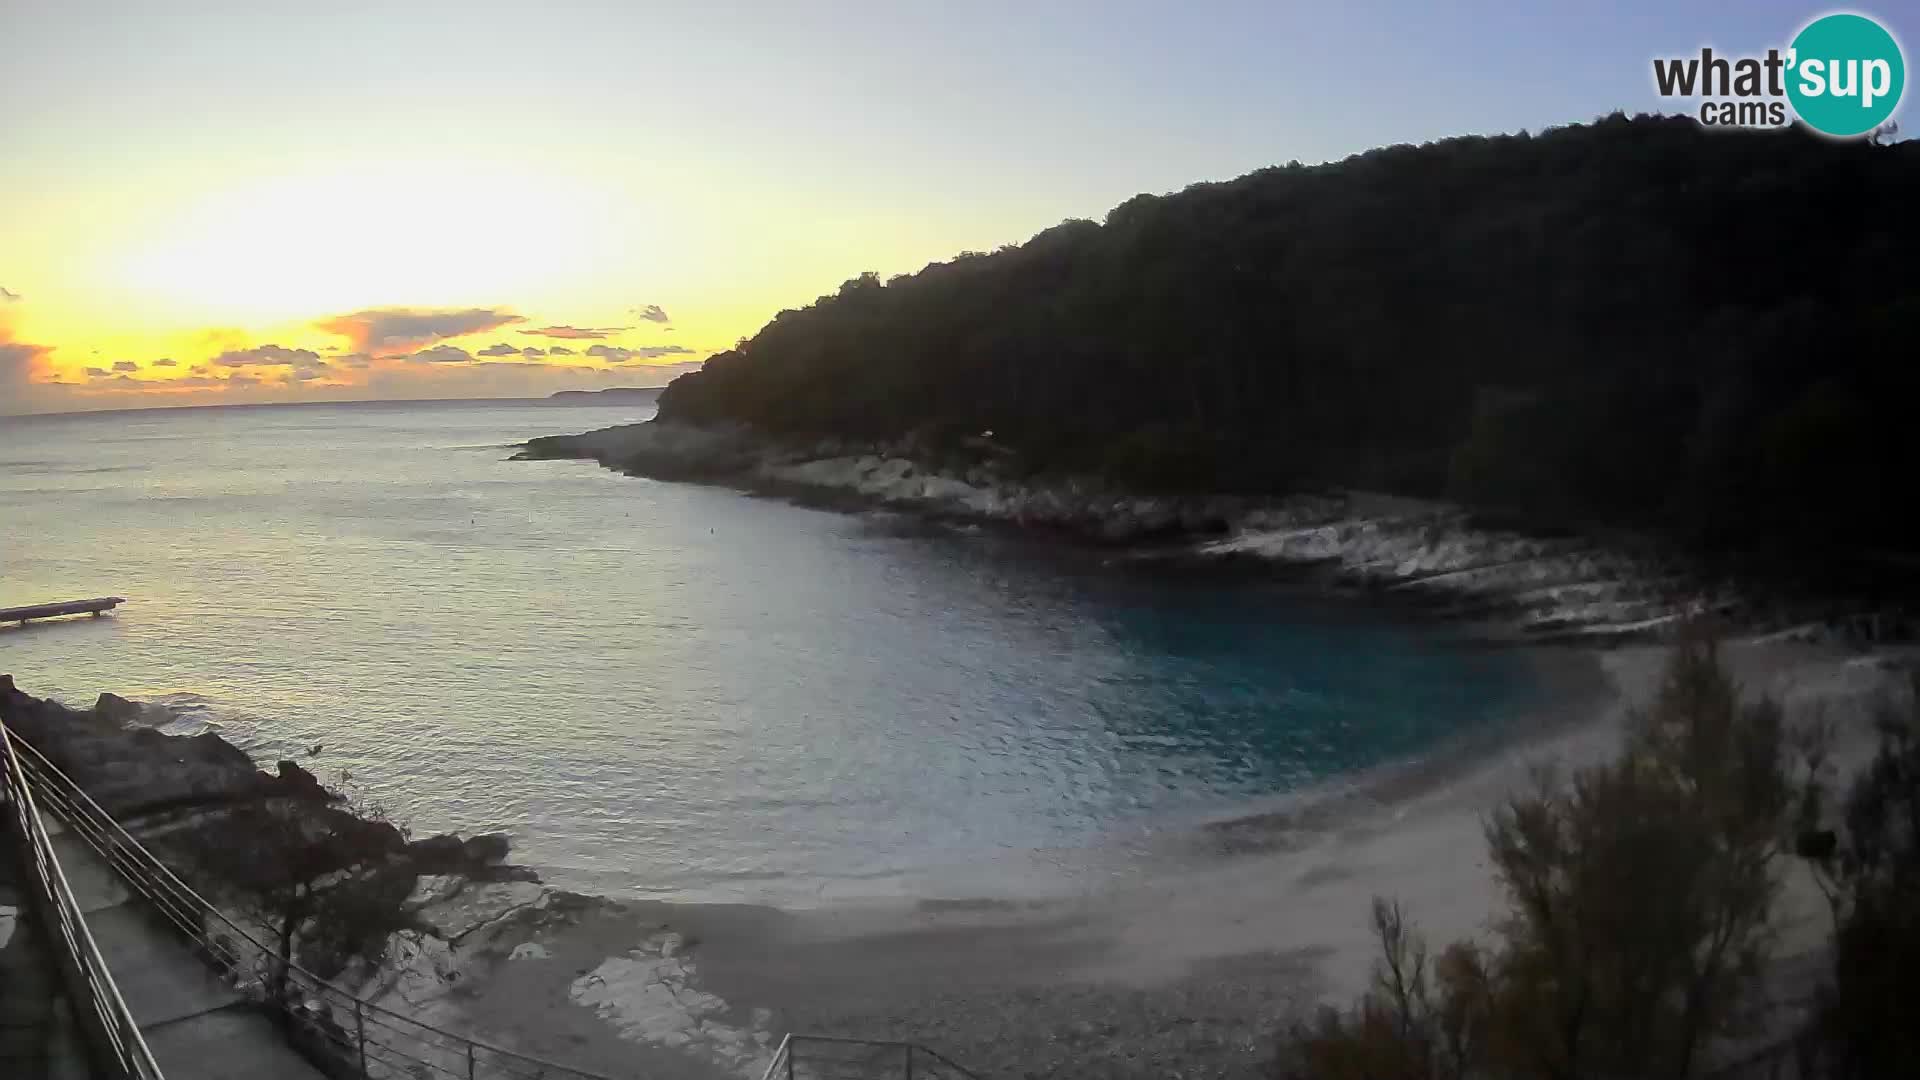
[672, 690]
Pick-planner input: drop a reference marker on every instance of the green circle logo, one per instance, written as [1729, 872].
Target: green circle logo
[1846, 74]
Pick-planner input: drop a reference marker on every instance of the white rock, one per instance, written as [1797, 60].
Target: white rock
[477, 905]
[649, 995]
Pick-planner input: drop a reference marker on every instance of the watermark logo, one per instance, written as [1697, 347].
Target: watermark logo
[1842, 75]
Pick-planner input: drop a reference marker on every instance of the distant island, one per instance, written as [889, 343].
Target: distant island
[609, 392]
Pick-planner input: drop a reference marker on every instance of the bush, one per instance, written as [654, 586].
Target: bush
[1865, 1026]
[1417, 1021]
[1638, 899]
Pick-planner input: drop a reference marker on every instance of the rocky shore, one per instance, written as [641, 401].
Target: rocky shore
[1529, 583]
[420, 924]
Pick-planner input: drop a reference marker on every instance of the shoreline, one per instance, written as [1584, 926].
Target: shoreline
[1514, 582]
[1188, 962]
[1191, 966]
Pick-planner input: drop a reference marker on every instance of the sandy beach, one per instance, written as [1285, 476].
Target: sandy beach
[1184, 965]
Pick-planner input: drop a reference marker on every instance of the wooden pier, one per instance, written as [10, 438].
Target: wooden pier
[95, 606]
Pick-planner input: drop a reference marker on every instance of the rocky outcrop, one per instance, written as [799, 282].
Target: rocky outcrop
[442, 931]
[980, 488]
[133, 771]
[1438, 556]
[183, 796]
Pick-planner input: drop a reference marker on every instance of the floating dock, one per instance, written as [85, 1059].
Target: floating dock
[95, 606]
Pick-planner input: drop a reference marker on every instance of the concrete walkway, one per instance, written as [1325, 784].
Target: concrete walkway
[37, 1038]
[197, 1027]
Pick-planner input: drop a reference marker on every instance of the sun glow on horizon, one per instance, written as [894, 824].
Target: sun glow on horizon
[287, 246]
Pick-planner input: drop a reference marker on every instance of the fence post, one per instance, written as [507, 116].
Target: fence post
[360, 1031]
[469, 1061]
[790, 1048]
[909, 1061]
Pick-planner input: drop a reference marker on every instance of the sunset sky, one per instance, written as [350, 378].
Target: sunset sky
[268, 201]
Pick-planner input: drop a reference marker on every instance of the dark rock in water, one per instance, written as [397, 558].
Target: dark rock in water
[197, 802]
[117, 709]
[487, 848]
[478, 857]
[437, 854]
[298, 783]
[130, 770]
[177, 784]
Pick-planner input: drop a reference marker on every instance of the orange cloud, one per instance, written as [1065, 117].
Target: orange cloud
[20, 362]
[389, 331]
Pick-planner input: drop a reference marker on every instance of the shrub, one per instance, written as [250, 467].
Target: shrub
[1638, 899]
[1864, 1027]
[1418, 1020]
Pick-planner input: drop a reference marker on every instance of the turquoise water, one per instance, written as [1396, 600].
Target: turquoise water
[673, 690]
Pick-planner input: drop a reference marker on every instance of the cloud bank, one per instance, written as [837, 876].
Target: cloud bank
[576, 331]
[270, 355]
[391, 331]
[615, 354]
[443, 354]
[388, 352]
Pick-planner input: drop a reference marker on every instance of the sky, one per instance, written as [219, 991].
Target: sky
[267, 201]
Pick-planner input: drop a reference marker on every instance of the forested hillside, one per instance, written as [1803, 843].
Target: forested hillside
[1636, 322]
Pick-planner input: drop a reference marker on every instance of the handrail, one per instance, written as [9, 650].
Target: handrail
[327, 1020]
[117, 1047]
[836, 1056]
[781, 1055]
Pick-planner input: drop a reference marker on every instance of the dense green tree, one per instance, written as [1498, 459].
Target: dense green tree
[1635, 321]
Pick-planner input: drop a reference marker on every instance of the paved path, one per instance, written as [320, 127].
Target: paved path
[37, 1038]
[198, 1027]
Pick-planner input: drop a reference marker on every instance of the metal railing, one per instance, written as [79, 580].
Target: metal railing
[114, 1042]
[341, 1033]
[825, 1057]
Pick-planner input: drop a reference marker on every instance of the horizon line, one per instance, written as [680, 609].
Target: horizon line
[307, 404]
